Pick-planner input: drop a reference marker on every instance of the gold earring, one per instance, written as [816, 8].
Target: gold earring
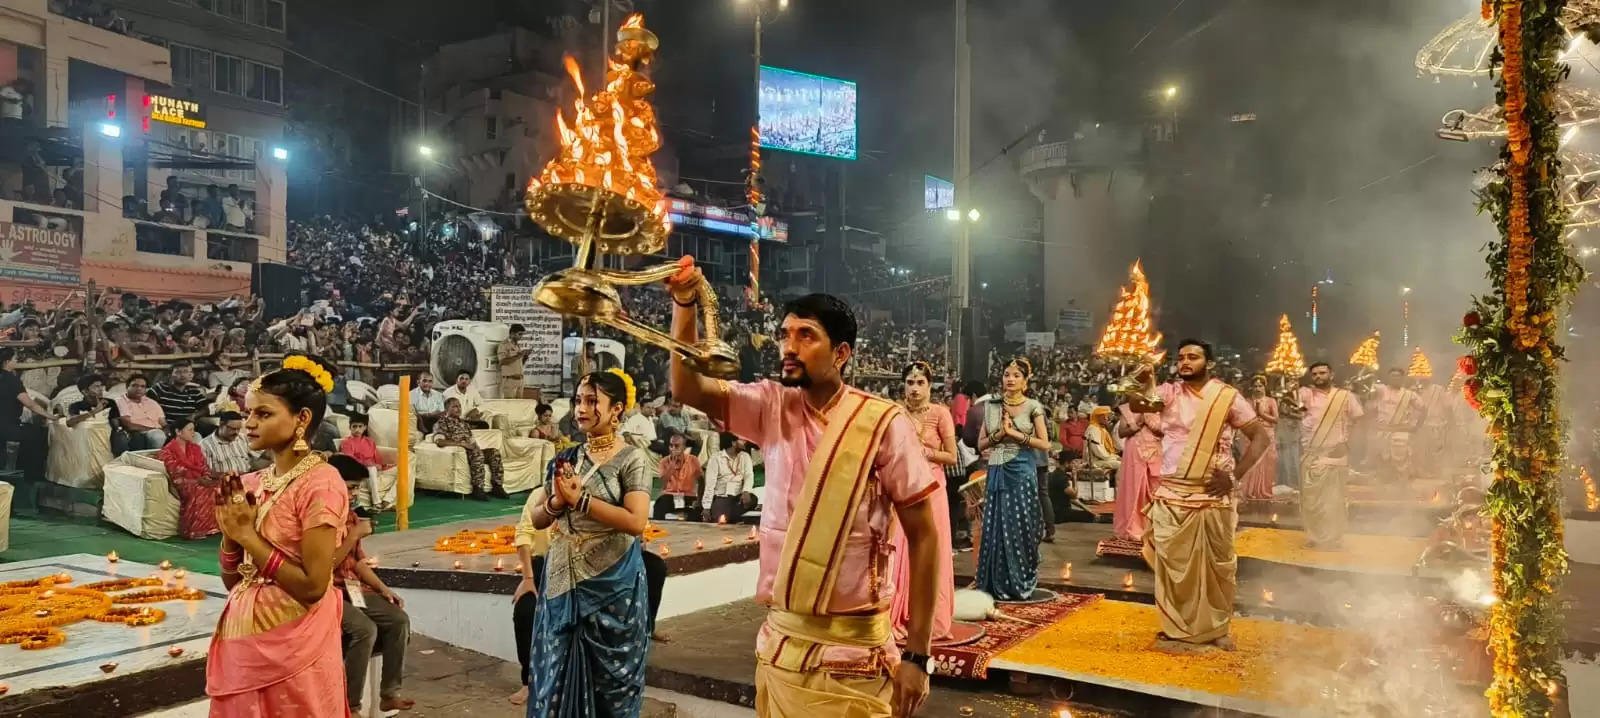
[300, 444]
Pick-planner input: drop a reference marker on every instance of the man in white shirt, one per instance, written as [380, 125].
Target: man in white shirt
[426, 403]
[639, 428]
[730, 475]
[233, 209]
[470, 399]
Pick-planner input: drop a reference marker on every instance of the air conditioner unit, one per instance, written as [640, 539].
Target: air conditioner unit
[468, 346]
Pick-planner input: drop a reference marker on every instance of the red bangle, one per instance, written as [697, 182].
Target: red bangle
[273, 563]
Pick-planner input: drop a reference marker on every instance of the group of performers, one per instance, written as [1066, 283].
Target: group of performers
[855, 541]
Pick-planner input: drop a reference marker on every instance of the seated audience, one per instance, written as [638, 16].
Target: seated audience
[226, 452]
[545, 427]
[452, 430]
[426, 403]
[94, 404]
[141, 416]
[730, 474]
[680, 477]
[180, 398]
[374, 616]
[192, 481]
[471, 400]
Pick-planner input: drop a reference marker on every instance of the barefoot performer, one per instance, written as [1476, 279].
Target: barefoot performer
[1192, 517]
[841, 466]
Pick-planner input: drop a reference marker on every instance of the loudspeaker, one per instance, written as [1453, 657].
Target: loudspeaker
[278, 285]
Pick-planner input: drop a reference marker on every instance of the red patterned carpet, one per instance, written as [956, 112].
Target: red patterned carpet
[1119, 547]
[972, 660]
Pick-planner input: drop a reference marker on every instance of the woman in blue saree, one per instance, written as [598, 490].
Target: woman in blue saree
[1008, 558]
[592, 630]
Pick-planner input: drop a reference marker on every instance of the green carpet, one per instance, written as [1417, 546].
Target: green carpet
[55, 535]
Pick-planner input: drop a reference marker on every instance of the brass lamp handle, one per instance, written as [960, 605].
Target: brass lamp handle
[704, 296]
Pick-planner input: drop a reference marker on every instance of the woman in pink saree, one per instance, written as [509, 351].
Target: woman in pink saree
[1140, 472]
[1257, 483]
[277, 650]
[938, 432]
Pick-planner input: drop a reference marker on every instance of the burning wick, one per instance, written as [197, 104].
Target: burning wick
[1063, 713]
[457, 565]
[1266, 595]
[499, 564]
[1127, 580]
[698, 544]
[722, 520]
[4, 689]
[752, 535]
[165, 565]
[1066, 572]
[1274, 519]
[112, 557]
[180, 573]
[1488, 599]
[1435, 498]
[48, 594]
[665, 550]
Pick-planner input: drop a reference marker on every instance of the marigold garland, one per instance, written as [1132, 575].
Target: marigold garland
[33, 611]
[1512, 371]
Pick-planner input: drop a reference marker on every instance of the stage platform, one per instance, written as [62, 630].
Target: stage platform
[407, 559]
[73, 679]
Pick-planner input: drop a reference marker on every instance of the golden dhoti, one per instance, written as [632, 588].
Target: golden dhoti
[794, 681]
[1189, 545]
[1322, 500]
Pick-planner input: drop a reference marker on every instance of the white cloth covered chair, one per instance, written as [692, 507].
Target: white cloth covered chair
[388, 396]
[515, 417]
[78, 455]
[525, 460]
[445, 468]
[138, 498]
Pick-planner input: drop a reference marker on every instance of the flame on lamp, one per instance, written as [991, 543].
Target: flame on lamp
[165, 565]
[112, 557]
[499, 564]
[1127, 580]
[456, 565]
[752, 535]
[1066, 572]
[1266, 595]
[1591, 499]
[698, 544]
[1274, 518]
[665, 550]
[1129, 333]
[727, 540]
[608, 144]
[722, 520]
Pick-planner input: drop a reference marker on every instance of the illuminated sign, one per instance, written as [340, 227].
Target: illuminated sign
[727, 221]
[938, 193]
[186, 113]
[809, 114]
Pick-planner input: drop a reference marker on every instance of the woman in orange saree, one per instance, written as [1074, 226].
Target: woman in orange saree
[277, 650]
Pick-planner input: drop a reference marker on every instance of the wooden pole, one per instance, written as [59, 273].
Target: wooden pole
[403, 472]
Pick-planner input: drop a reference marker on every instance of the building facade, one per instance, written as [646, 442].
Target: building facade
[84, 105]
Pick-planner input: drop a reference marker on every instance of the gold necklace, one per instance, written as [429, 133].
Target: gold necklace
[602, 443]
[1013, 399]
[276, 483]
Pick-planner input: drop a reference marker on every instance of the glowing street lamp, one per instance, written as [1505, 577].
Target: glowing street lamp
[425, 150]
[1170, 92]
[973, 215]
[954, 215]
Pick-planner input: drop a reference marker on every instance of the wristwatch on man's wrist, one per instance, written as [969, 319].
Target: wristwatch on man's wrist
[923, 661]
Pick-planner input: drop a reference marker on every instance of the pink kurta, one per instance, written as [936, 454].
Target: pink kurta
[1182, 408]
[777, 419]
[271, 656]
[1139, 476]
[935, 425]
[1257, 483]
[1316, 404]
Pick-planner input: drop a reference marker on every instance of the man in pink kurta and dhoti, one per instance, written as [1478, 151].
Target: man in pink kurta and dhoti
[1325, 456]
[841, 467]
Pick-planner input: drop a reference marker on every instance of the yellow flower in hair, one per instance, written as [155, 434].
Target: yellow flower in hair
[318, 374]
[627, 381]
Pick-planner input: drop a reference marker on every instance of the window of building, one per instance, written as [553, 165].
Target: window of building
[190, 65]
[263, 82]
[489, 127]
[265, 13]
[232, 9]
[229, 75]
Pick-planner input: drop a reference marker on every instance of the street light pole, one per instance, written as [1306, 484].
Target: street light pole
[961, 261]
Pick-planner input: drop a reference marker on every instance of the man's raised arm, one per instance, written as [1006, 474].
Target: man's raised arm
[689, 387]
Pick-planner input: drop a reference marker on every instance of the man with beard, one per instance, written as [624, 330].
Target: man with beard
[1325, 456]
[1192, 516]
[841, 466]
[1399, 414]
